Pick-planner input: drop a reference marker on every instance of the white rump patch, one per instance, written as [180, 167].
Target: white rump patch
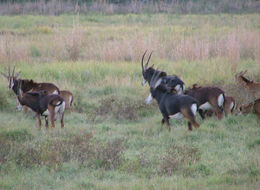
[231, 106]
[149, 99]
[46, 113]
[221, 100]
[178, 88]
[58, 103]
[205, 106]
[59, 110]
[70, 99]
[55, 92]
[177, 116]
[194, 108]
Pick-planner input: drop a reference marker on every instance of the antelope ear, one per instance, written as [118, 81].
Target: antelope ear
[4, 75]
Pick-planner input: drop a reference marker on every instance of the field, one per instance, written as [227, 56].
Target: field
[113, 140]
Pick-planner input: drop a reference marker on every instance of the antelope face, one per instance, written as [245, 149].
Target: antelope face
[244, 109]
[11, 78]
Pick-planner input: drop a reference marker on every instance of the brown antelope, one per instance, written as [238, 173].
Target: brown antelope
[28, 85]
[245, 109]
[68, 98]
[209, 98]
[229, 107]
[250, 85]
[44, 104]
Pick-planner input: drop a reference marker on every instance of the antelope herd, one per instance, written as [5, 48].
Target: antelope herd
[174, 101]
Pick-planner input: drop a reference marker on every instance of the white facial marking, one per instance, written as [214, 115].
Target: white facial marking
[221, 100]
[143, 82]
[149, 99]
[193, 108]
[205, 106]
[55, 92]
[177, 116]
[158, 82]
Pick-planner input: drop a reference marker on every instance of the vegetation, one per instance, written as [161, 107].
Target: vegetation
[113, 140]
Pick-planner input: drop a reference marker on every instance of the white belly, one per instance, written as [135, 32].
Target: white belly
[205, 106]
[177, 116]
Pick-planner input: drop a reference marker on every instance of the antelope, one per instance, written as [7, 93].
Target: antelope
[68, 98]
[245, 109]
[28, 85]
[43, 104]
[173, 105]
[173, 81]
[209, 98]
[250, 85]
[229, 107]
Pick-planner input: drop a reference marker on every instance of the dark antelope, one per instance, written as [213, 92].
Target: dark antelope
[250, 85]
[28, 85]
[174, 82]
[209, 98]
[44, 104]
[245, 109]
[68, 98]
[173, 105]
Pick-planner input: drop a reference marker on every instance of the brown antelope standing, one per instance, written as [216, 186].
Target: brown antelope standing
[250, 85]
[245, 109]
[209, 98]
[28, 85]
[68, 98]
[43, 104]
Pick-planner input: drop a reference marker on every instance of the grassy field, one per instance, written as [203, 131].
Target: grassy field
[113, 140]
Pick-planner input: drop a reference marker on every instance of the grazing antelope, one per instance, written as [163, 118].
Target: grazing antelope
[245, 109]
[28, 85]
[209, 98]
[173, 105]
[250, 85]
[174, 82]
[68, 98]
[43, 104]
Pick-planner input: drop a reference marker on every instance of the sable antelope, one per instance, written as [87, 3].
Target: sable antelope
[209, 98]
[173, 105]
[245, 109]
[43, 104]
[174, 82]
[68, 98]
[28, 85]
[252, 86]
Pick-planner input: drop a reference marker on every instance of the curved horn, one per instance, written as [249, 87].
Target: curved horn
[146, 65]
[142, 63]
[13, 72]
[9, 71]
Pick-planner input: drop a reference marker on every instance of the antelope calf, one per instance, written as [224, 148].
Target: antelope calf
[173, 105]
[68, 98]
[173, 81]
[245, 109]
[43, 104]
[250, 85]
[28, 85]
[230, 105]
[209, 98]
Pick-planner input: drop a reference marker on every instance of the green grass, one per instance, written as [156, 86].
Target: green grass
[113, 140]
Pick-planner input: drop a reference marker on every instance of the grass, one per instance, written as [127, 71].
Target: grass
[113, 140]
